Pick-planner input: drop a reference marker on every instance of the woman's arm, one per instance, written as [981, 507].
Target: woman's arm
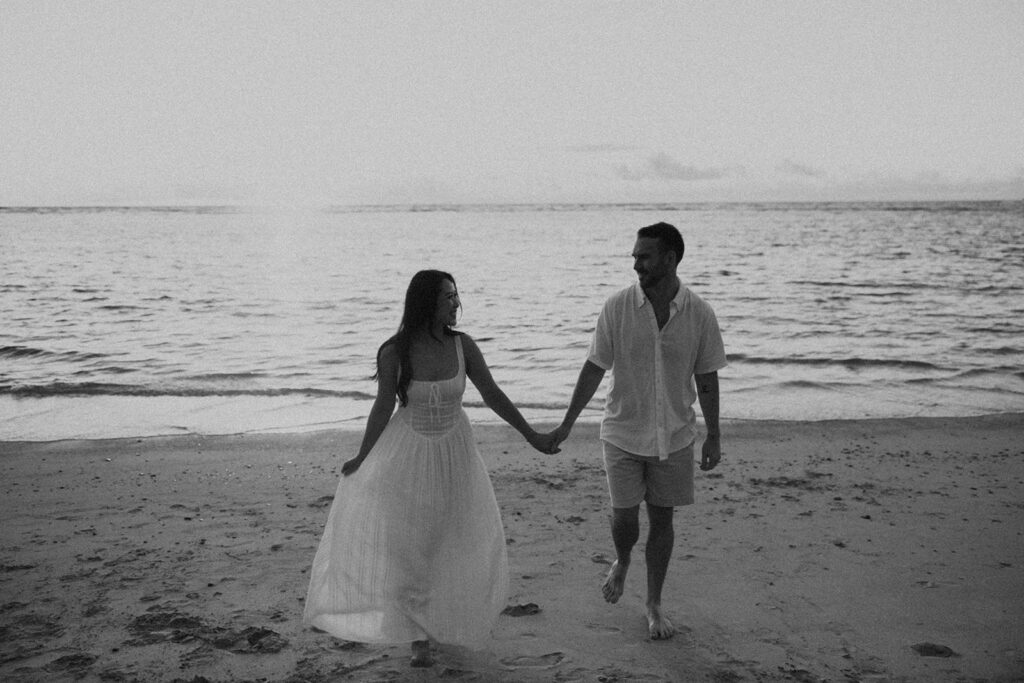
[383, 406]
[494, 397]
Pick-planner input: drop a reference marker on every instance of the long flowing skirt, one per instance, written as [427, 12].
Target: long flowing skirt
[414, 546]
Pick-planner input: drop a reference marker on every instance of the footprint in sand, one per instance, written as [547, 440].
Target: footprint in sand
[535, 661]
[529, 608]
[74, 664]
[610, 676]
[600, 628]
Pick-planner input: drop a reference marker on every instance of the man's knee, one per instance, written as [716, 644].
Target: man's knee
[626, 521]
[660, 516]
[626, 514]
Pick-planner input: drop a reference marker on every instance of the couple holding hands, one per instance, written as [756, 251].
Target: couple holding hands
[414, 548]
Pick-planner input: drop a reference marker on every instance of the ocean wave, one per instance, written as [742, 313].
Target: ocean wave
[997, 329]
[999, 371]
[89, 389]
[890, 287]
[839, 362]
[957, 383]
[1000, 350]
[809, 384]
[17, 351]
[553, 406]
[120, 209]
[793, 384]
[68, 389]
[225, 376]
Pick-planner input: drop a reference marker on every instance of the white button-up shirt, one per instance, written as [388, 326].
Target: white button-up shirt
[649, 406]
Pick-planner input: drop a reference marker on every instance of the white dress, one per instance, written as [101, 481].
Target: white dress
[414, 546]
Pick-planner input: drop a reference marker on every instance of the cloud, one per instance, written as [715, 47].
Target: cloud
[600, 149]
[789, 167]
[663, 167]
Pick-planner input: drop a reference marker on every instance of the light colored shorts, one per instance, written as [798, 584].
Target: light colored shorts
[634, 478]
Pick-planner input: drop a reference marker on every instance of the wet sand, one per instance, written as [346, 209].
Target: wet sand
[881, 550]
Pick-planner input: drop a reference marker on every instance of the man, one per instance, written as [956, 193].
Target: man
[656, 337]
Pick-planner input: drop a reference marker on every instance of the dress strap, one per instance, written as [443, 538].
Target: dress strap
[458, 350]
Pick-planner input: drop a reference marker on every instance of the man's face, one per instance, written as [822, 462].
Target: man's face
[651, 264]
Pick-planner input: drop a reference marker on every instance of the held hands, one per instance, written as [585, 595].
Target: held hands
[548, 443]
[711, 452]
[543, 442]
[560, 434]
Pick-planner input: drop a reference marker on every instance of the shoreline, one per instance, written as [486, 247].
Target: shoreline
[52, 418]
[589, 420]
[820, 550]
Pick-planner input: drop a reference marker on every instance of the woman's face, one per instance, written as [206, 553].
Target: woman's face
[447, 304]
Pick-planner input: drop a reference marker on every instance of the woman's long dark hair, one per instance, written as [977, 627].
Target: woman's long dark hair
[418, 316]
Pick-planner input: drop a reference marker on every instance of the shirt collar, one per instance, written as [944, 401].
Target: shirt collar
[677, 300]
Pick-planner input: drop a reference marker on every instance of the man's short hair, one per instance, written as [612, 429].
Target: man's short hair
[668, 237]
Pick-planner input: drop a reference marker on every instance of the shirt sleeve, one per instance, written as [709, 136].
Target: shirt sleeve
[602, 347]
[712, 351]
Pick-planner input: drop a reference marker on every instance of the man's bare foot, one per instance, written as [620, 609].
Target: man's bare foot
[659, 625]
[615, 582]
[421, 654]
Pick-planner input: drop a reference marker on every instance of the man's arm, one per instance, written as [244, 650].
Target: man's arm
[586, 385]
[707, 396]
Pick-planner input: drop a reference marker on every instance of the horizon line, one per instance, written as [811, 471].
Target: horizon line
[453, 205]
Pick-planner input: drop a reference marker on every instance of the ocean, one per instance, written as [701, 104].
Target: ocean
[142, 321]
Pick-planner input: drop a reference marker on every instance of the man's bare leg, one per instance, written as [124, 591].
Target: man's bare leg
[625, 532]
[660, 540]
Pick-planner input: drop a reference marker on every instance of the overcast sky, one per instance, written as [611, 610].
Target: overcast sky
[392, 102]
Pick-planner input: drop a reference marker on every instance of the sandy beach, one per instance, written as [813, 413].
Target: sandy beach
[882, 550]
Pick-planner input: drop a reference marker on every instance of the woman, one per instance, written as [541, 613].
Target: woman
[414, 548]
